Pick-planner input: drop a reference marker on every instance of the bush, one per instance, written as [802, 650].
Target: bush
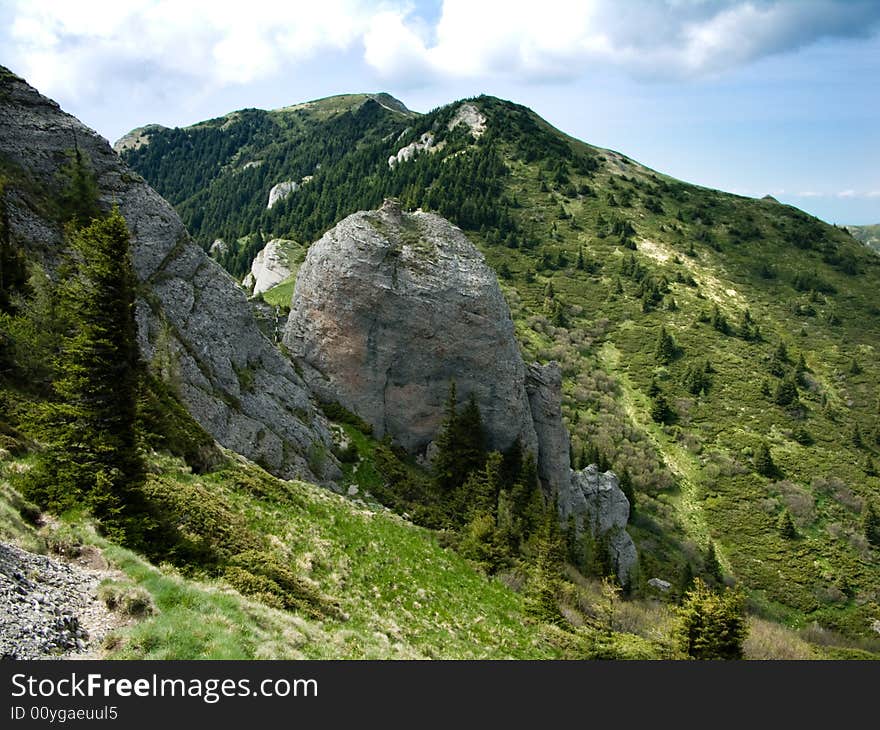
[129, 600]
[264, 577]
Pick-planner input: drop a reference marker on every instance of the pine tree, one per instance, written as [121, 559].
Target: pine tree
[626, 487]
[91, 426]
[871, 523]
[79, 195]
[763, 461]
[661, 412]
[712, 625]
[665, 349]
[712, 566]
[786, 392]
[542, 589]
[778, 361]
[445, 466]
[785, 526]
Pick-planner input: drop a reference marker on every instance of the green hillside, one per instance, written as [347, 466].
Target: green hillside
[869, 235]
[699, 332]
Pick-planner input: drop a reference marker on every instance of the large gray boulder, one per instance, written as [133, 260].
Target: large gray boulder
[194, 323]
[388, 309]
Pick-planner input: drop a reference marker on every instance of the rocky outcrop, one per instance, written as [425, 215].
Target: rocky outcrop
[218, 248]
[280, 191]
[597, 504]
[192, 317]
[469, 115]
[594, 500]
[544, 388]
[49, 608]
[389, 308]
[270, 266]
[136, 138]
[425, 143]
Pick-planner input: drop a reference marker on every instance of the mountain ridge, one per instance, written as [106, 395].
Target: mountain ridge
[667, 306]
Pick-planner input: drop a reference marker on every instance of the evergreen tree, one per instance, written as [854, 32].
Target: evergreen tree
[712, 625]
[445, 466]
[665, 349]
[871, 523]
[785, 526]
[661, 412]
[626, 487]
[779, 361]
[90, 428]
[685, 579]
[712, 566]
[763, 461]
[13, 271]
[786, 392]
[79, 194]
[545, 576]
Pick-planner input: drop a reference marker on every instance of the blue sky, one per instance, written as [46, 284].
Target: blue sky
[756, 97]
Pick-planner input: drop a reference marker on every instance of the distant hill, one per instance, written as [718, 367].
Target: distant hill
[869, 235]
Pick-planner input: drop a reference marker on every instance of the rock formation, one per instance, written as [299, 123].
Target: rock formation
[136, 138]
[270, 266]
[281, 191]
[390, 307]
[469, 115]
[192, 318]
[218, 248]
[425, 143]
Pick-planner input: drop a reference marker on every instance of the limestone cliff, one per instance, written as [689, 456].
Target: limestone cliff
[388, 309]
[192, 318]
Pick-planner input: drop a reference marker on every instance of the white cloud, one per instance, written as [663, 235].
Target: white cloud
[76, 47]
[847, 194]
[563, 38]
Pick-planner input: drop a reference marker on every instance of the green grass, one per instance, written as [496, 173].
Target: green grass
[281, 294]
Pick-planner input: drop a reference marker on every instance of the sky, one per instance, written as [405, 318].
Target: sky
[756, 97]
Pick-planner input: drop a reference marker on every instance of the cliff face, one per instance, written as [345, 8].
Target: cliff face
[194, 323]
[389, 308]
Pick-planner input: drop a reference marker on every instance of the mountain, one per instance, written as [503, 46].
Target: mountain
[203, 553]
[697, 332]
[869, 235]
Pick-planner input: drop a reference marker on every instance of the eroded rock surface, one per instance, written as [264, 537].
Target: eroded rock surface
[191, 315]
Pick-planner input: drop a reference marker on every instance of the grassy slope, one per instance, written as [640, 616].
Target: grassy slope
[708, 450]
[405, 595]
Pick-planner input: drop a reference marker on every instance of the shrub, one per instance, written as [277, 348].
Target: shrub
[129, 600]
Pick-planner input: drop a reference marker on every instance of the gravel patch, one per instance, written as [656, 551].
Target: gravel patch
[49, 608]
